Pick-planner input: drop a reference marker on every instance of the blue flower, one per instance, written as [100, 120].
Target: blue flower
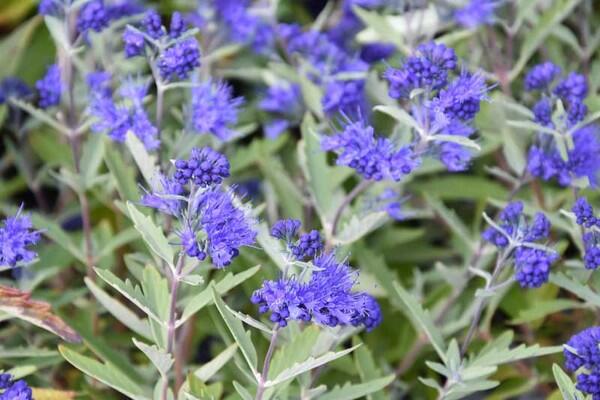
[327, 298]
[92, 15]
[460, 100]
[585, 213]
[49, 88]
[573, 87]
[14, 390]
[153, 25]
[16, 238]
[179, 60]
[476, 13]
[227, 226]
[134, 42]
[591, 237]
[373, 52]
[214, 109]
[205, 167]
[307, 246]
[373, 158]
[542, 112]
[190, 243]
[12, 87]
[345, 96]
[177, 26]
[454, 156]
[541, 76]
[51, 7]
[532, 266]
[285, 229]
[162, 196]
[583, 351]
[284, 101]
[243, 26]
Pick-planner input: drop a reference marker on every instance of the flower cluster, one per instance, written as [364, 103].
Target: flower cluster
[374, 158]
[242, 25]
[214, 109]
[284, 103]
[49, 88]
[476, 13]
[439, 106]
[308, 244]
[326, 298]
[545, 159]
[12, 87]
[11, 389]
[516, 235]
[176, 55]
[212, 222]
[583, 351]
[118, 118]
[16, 236]
[591, 237]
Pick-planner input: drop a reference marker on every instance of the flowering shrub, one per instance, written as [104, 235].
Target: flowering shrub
[355, 199]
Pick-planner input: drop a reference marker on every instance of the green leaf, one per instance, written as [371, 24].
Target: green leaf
[13, 46]
[40, 115]
[56, 27]
[553, 16]
[421, 320]
[104, 373]
[312, 95]
[236, 328]
[367, 369]
[463, 141]
[119, 311]
[578, 289]
[204, 298]
[132, 292]
[162, 361]
[307, 365]
[295, 351]
[242, 391]
[145, 162]
[288, 194]
[453, 222]
[209, 369]
[91, 158]
[123, 174]
[399, 115]
[351, 392]
[152, 234]
[360, 226]
[384, 29]
[565, 384]
[543, 308]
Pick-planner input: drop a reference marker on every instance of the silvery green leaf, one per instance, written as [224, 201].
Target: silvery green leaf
[421, 320]
[40, 115]
[162, 361]
[461, 390]
[367, 369]
[248, 320]
[380, 28]
[565, 384]
[358, 227]
[16, 45]
[439, 368]
[152, 234]
[288, 194]
[202, 299]
[123, 175]
[91, 158]
[578, 289]
[298, 349]
[57, 30]
[432, 383]
[312, 95]
[307, 365]
[209, 369]
[359, 390]
[236, 328]
[461, 140]
[553, 16]
[242, 391]
[192, 279]
[399, 115]
[145, 162]
[119, 311]
[105, 374]
[26, 352]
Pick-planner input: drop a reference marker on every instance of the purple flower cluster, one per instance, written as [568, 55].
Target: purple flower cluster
[242, 25]
[11, 389]
[476, 13]
[591, 236]
[284, 103]
[544, 159]
[307, 245]
[92, 15]
[441, 107]
[175, 59]
[326, 298]
[584, 352]
[12, 87]
[206, 167]
[374, 158]
[49, 88]
[212, 222]
[16, 236]
[214, 109]
[532, 264]
[116, 119]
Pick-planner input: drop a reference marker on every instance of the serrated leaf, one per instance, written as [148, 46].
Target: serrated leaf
[204, 298]
[578, 289]
[367, 369]
[162, 361]
[399, 115]
[565, 384]
[381, 25]
[122, 174]
[359, 390]
[209, 369]
[236, 328]
[91, 158]
[146, 163]
[307, 365]
[119, 311]
[461, 140]
[358, 227]
[104, 373]
[421, 319]
[152, 234]
[295, 351]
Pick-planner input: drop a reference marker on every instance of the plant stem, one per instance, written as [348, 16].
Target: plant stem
[171, 324]
[267, 364]
[358, 189]
[500, 262]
